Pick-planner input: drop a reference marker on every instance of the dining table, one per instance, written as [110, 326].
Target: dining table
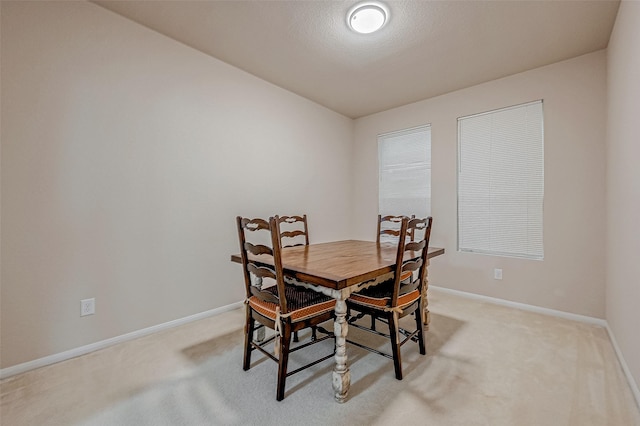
[338, 269]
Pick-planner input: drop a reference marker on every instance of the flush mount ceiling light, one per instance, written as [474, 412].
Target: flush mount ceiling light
[367, 17]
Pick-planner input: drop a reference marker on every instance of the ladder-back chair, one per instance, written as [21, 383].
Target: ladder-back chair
[294, 232]
[282, 308]
[395, 298]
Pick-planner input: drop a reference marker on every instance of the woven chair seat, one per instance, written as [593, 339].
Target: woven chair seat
[301, 303]
[379, 296]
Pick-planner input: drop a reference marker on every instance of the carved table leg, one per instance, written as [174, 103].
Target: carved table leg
[341, 374]
[426, 317]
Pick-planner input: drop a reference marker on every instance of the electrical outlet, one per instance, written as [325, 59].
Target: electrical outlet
[87, 307]
[497, 274]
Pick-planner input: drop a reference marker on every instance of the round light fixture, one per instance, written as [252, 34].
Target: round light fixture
[367, 17]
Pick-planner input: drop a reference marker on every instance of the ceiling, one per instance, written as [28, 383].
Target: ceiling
[427, 48]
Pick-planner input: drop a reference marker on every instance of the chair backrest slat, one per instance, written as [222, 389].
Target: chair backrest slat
[291, 234]
[415, 245]
[257, 249]
[261, 271]
[408, 288]
[413, 265]
[254, 224]
[265, 296]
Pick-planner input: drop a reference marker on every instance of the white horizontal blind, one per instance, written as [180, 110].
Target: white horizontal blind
[404, 159]
[501, 182]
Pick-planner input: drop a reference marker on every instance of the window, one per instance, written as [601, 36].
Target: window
[501, 182]
[404, 159]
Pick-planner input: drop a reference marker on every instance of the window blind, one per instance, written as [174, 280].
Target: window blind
[404, 159]
[501, 182]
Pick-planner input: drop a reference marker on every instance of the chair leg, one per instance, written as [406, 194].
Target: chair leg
[248, 336]
[420, 325]
[395, 344]
[373, 323]
[314, 335]
[285, 341]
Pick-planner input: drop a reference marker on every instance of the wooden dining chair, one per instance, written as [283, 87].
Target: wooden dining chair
[282, 308]
[389, 231]
[395, 298]
[293, 231]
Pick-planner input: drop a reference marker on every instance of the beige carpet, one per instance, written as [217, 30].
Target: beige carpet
[486, 365]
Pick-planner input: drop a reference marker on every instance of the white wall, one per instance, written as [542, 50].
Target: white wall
[623, 185]
[125, 158]
[571, 277]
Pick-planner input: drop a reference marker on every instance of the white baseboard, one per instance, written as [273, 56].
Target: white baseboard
[581, 318]
[82, 350]
[524, 306]
[625, 368]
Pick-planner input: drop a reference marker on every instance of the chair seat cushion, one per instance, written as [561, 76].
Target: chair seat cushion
[301, 303]
[379, 296]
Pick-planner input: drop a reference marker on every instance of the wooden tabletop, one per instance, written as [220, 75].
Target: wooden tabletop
[340, 264]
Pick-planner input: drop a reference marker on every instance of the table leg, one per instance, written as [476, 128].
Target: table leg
[260, 333]
[341, 374]
[426, 317]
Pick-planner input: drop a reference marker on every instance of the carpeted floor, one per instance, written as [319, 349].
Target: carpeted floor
[486, 365]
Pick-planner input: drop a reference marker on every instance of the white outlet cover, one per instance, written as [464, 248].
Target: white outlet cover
[497, 274]
[87, 307]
